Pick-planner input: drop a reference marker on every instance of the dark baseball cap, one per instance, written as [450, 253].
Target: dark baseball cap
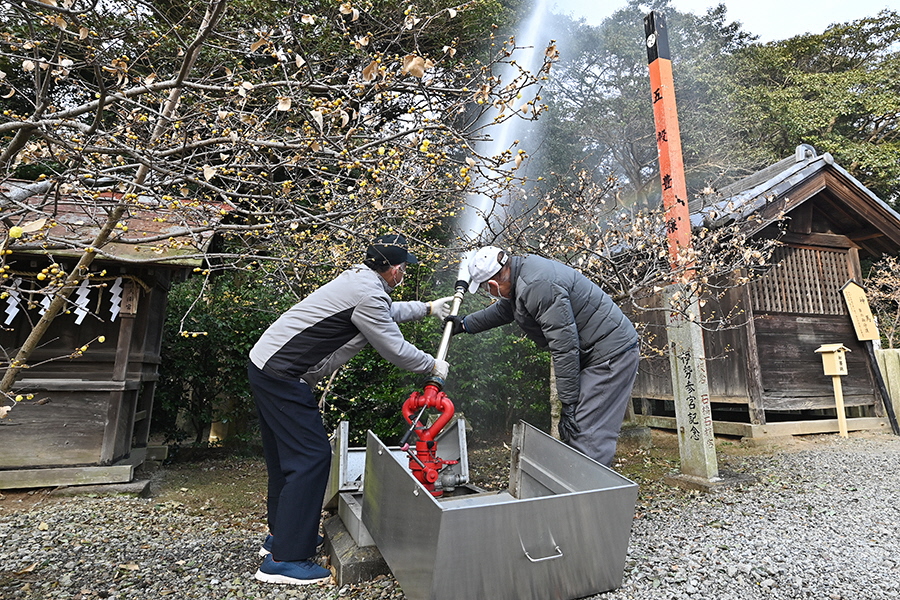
[390, 249]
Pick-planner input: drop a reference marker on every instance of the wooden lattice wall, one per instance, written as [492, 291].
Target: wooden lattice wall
[806, 281]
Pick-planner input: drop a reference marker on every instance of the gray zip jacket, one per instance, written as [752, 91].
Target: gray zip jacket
[323, 331]
[560, 309]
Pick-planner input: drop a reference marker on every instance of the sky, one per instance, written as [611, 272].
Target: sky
[769, 19]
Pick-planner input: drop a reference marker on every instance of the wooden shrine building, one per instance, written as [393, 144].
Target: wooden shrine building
[765, 378]
[85, 408]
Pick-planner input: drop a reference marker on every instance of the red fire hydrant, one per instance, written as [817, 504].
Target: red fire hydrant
[424, 462]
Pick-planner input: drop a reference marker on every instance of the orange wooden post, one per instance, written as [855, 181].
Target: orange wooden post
[687, 357]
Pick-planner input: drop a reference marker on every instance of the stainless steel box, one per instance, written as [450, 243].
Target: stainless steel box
[560, 531]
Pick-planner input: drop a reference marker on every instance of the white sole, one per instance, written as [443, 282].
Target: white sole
[263, 552]
[269, 578]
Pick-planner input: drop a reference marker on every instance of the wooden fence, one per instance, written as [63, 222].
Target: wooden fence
[889, 363]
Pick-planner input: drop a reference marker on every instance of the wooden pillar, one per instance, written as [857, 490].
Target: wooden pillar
[755, 408]
[120, 417]
[687, 356]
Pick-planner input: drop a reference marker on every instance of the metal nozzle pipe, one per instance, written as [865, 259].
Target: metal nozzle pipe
[448, 327]
[462, 284]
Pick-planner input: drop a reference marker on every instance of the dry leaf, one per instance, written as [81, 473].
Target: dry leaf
[49, 2]
[33, 226]
[317, 117]
[149, 78]
[258, 44]
[11, 93]
[298, 60]
[414, 65]
[551, 52]
[209, 172]
[43, 526]
[284, 103]
[370, 71]
[27, 66]
[452, 12]
[83, 32]
[450, 50]
[345, 118]
[4, 410]
[519, 159]
[27, 569]
[308, 19]
[470, 161]
[346, 8]
[482, 94]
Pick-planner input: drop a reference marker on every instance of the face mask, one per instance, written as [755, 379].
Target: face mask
[402, 270]
[488, 289]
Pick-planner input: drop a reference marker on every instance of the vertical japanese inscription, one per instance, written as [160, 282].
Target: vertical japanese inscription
[668, 136]
[686, 358]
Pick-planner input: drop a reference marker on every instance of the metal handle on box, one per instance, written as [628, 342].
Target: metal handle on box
[559, 553]
[543, 558]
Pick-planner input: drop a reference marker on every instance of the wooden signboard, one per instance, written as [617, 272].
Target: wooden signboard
[860, 313]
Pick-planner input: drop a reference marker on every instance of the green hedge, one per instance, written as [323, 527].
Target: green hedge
[496, 377]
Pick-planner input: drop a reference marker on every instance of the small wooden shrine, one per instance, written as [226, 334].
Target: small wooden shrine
[85, 408]
[765, 378]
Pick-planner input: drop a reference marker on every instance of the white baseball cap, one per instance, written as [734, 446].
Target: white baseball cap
[486, 263]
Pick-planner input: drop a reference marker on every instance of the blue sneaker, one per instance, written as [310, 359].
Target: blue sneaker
[267, 544]
[299, 572]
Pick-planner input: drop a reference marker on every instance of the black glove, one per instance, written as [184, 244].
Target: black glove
[568, 428]
[458, 326]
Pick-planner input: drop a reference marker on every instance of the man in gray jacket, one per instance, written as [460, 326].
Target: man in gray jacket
[593, 345]
[308, 342]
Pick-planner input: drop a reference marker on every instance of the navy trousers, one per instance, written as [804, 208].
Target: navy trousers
[298, 459]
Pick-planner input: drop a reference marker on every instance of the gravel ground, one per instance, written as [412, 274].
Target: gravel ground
[820, 522]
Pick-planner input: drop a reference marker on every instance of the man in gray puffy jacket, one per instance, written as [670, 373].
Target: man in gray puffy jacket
[308, 342]
[593, 345]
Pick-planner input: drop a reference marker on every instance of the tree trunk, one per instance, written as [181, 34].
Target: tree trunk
[555, 406]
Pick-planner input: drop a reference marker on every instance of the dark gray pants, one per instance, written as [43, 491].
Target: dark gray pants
[605, 393]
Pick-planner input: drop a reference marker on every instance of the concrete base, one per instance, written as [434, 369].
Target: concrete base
[726, 479]
[771, 441]
[351, 563]
[138, 489]
[634, 436]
